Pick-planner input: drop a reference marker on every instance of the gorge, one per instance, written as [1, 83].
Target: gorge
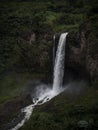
[48, 79]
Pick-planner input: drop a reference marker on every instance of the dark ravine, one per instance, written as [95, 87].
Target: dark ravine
[26, 43]
[79, 64]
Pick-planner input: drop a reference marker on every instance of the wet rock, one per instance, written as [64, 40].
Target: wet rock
[83, 124]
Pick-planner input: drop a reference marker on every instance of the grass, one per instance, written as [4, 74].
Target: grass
[62, 28]
[13, 84]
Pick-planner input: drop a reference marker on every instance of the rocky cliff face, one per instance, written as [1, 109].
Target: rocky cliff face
[78, 56]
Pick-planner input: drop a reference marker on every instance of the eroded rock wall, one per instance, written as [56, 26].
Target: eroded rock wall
[78, 52]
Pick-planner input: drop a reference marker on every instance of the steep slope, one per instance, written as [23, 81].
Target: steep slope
[67, 111]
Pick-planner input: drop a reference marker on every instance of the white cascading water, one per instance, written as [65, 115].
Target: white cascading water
[54, 50]
[44, 93]
[59, 63]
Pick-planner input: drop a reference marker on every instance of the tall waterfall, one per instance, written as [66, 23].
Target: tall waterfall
[53, 50]
[59, 63]
[44, 95]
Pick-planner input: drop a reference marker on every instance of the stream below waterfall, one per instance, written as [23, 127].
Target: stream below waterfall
[47, 96]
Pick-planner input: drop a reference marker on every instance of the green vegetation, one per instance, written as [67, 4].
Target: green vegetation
[19, 20]
[13, 84]
[26, 30]
[65, 111]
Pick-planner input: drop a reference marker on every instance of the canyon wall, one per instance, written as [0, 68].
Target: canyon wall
[80, 56]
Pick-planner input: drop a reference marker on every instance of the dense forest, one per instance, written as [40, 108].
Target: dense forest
[27, 28]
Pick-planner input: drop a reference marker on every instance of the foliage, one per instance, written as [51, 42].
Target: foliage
[63, 112]
[18, 20]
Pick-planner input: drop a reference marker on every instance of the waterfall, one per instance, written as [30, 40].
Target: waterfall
[59, 63]
[53, 50]
[44, 92]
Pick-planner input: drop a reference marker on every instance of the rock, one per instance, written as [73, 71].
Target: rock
[78, 53]
[32, 38]
[56, 40]
[82, 124]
